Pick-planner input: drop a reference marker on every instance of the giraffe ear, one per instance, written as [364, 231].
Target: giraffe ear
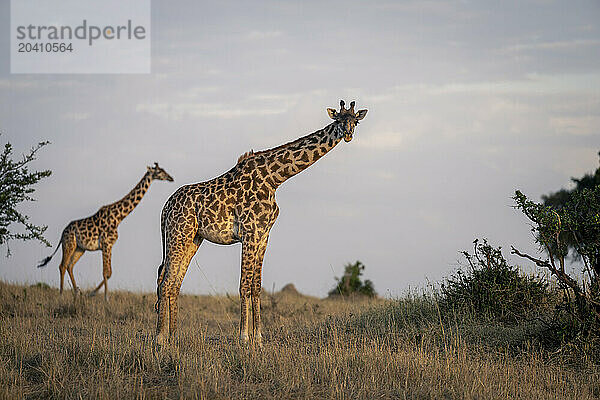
[361, 114]
[332, 113]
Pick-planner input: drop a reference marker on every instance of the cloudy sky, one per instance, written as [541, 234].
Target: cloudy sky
[468, 101]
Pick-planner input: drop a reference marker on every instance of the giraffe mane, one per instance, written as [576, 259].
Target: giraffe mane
[246, 155]
[253, 153]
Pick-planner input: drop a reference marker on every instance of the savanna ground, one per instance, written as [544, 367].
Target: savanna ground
[58, 347]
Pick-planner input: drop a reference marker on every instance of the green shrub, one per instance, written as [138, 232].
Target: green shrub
[16, 187]
[576, 226]
[351, 284]
[492, 287]
[41, 285]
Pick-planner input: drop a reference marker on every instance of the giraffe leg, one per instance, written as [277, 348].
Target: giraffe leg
[162, 329]
[256, 290]
[74, 258]
[177, 259]
[250, 249]
[173, 302]
[106, 271]
[173, 308]
[93, 292]
[62, 276]
[68, 248]
[244, 310]
[167, 309]
[163, 306]
[256, 330]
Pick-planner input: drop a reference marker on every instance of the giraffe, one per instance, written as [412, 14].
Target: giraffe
[99, 232]
[237, 207]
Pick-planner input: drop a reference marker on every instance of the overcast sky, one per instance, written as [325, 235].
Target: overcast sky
[467, 100]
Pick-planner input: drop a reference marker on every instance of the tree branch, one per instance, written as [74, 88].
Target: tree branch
[561, 275]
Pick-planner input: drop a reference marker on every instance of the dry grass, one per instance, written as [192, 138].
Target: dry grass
[53, 347]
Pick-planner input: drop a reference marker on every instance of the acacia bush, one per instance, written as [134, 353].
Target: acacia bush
[16, 186]
[490, 286]
[575, 226]
[351, 284]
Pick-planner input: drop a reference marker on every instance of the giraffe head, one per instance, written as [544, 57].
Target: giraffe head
[159, 173]
[346, 118]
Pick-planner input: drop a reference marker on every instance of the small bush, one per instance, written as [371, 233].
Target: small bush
[493, 287]
[351, 284]
[17, 185]
[41, 285]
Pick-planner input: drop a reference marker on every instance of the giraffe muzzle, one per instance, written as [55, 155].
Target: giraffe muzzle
[347, 138]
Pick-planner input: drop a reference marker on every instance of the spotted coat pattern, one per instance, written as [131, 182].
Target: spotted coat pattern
[237, 207]
[99, 231]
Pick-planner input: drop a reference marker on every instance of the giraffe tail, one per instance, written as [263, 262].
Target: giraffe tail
[161, 277]
[46, 260]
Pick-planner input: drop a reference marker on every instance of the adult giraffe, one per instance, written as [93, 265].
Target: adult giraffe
[238, 206]
[99, 232]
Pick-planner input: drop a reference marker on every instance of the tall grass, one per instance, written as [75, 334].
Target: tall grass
[54, 347]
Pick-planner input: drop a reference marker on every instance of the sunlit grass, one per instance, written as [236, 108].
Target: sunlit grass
[54, 347]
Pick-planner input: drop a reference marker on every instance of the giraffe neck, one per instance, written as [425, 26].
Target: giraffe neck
[290, 159]
[123, 207]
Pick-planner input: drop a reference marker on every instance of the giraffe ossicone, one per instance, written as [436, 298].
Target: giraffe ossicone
[99, 231]
[237, 207]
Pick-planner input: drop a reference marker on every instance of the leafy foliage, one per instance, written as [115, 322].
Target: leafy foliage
[16, 186]
[565, 198]
[351, 284]
[576, 224]
[492, 287]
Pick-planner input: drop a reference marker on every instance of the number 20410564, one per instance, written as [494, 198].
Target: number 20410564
[44, 47]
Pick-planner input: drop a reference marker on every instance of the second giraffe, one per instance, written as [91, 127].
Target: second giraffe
[99, 232]
[238, 206]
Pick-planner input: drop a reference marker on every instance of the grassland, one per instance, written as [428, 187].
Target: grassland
[58, 347]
